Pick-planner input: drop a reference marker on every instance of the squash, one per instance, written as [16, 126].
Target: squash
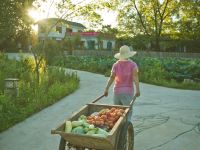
[77, 123]
[68, 126]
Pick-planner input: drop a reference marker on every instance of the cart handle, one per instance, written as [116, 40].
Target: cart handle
[98, 98]
[132, 101]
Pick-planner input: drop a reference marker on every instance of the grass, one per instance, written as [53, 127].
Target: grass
[54, 84]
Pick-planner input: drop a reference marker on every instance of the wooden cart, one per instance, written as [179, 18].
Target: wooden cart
[120, 137]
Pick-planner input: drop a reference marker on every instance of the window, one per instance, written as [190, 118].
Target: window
[58, 29]
[109, 45]
[91, 44]
[68, 30]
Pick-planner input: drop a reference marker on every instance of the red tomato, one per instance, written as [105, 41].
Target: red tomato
[90, 121]
[111, 125]
[103, 117]
[116, 118]
[111, 119]
[122, 111]
[113, 114]
[108, 114]
[98, 122]
[112, 109]
[106, 123]
[119, 113]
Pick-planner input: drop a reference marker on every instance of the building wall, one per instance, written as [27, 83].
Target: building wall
[85, 39]
[57, 35]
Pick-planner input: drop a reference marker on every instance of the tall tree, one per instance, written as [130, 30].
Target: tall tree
[14, 21]
[188, 20]
[147, 17]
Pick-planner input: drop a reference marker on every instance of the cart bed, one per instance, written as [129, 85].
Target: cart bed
[89, 141]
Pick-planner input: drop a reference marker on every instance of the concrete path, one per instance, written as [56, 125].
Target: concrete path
[164, 118]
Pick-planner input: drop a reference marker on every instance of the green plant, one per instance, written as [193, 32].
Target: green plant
[54, 84]
[169, 72]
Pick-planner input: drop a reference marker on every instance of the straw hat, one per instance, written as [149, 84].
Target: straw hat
[124, 53]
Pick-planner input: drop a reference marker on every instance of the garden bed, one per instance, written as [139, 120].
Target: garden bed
[168, 72]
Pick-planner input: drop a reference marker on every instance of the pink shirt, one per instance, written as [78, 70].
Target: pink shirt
[123, 71]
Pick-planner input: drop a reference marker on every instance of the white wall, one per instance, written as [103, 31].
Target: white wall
[60, 35]
[85, 39]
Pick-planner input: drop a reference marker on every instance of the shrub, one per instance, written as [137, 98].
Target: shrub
[33, 96]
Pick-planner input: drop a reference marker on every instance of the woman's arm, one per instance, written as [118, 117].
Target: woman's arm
[109, 83]
[136, 81]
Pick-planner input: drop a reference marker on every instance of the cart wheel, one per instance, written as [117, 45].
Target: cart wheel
[62, 144]
[126, 137]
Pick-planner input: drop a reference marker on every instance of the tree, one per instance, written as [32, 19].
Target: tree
[14, 21]
[185, 28]
[82, 10]
[105, 31]
[67, 10]
[188, 20]
[147, 17]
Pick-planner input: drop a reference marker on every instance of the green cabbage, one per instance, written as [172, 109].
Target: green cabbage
[78, 130]
[101, 131]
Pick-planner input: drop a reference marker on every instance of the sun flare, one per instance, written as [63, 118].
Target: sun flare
[36, 15]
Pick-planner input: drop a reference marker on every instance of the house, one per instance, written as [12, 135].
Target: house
[60, 29]
[57, 28]
[96, 40]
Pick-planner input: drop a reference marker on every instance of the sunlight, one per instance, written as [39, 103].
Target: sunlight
[48, 9]
[161, 1]
[34, 14]
[109, 18]
[34, 28]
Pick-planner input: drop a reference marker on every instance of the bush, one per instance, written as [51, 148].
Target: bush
[54, 84]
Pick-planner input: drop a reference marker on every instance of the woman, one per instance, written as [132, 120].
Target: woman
[125, 74]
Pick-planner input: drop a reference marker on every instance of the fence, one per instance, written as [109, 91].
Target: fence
[139, 53]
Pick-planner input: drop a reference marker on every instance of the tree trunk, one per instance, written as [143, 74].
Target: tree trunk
[37, 73]
[157, 43]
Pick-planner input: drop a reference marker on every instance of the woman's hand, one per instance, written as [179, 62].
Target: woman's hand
[106, 92]
[137, 94]
[110, 81]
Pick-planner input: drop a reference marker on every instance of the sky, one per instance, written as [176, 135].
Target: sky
[48, 9]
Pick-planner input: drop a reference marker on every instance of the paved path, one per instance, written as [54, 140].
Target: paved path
[164, 118]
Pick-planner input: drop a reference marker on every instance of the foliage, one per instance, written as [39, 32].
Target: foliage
[93, 64]
[169, 72]
[157, 19]
[15, 23]
[80, 10]
[52, 48]
[72, 42]
[188, 20]
[148, 17]
[54, 84]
